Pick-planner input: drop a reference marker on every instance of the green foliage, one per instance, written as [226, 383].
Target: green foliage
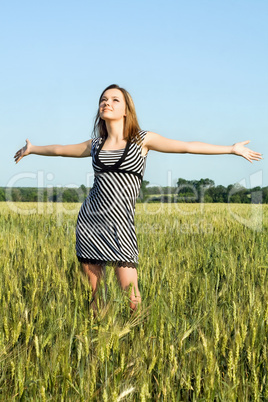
[204, 190]
[143, 196]
[202, 332]
[33, 194]
[189, 191]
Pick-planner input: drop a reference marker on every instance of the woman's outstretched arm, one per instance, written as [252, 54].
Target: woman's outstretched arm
[81, 150]
[156, 142]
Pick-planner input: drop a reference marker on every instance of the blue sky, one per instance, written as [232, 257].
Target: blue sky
[197, 70]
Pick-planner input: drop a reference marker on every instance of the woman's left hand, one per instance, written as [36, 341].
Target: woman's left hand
[240, 150]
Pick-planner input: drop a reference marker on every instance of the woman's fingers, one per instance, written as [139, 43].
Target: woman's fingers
[19, 155]
[248, 154]
[21, 152]
[16, 156]
[253, 156]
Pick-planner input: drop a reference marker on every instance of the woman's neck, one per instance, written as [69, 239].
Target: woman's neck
[115, 130]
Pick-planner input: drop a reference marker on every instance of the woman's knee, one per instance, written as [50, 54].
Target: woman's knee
[126, 276]
[94, 273]
[128, 280]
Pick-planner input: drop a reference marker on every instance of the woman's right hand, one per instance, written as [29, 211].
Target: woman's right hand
[26, 150]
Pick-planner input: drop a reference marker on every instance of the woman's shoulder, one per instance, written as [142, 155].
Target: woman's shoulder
[142, 133]
[96, 142]
[138, 139]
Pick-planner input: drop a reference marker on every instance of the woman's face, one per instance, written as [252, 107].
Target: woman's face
[112, 105]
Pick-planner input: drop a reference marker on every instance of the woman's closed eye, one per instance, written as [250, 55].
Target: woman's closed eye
[105, 100]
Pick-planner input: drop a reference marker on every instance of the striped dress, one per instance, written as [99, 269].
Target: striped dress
[105, 229]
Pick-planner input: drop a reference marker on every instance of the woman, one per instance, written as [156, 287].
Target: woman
[105, 225]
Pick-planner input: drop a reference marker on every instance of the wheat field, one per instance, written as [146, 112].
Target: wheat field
[201, 334]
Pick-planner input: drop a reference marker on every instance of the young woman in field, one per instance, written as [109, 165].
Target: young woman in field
[105, 226]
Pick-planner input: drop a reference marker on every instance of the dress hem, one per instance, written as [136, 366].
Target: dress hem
[94, 261]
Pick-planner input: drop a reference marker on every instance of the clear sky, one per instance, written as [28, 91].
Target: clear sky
[197, 70]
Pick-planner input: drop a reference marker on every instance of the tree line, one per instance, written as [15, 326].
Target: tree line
[190, 191]
[205, 190]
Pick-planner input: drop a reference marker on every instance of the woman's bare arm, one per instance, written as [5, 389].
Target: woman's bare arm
[156, 142]
[81, 150]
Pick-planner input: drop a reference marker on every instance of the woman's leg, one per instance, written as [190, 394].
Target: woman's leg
[127, 276]
[94, 273]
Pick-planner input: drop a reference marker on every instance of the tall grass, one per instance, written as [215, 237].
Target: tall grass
[201, 335]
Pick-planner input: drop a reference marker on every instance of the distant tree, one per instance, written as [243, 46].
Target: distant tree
[70, 195]
[181, 182]
[194, 190]
[202, 190]
[154, 190]
[238, 193]
[208, 198]
[2, 195]
[144, 193]
[83, 190]
[219, 194]
[235, 198]
[207, 183]
[16, 194]
[54, 197]
[29, 194]
[265, 195]
[256, 195]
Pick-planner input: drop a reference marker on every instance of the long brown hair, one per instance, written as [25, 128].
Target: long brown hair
[131, 125]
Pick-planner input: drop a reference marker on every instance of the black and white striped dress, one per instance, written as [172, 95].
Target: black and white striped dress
[105, 229]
